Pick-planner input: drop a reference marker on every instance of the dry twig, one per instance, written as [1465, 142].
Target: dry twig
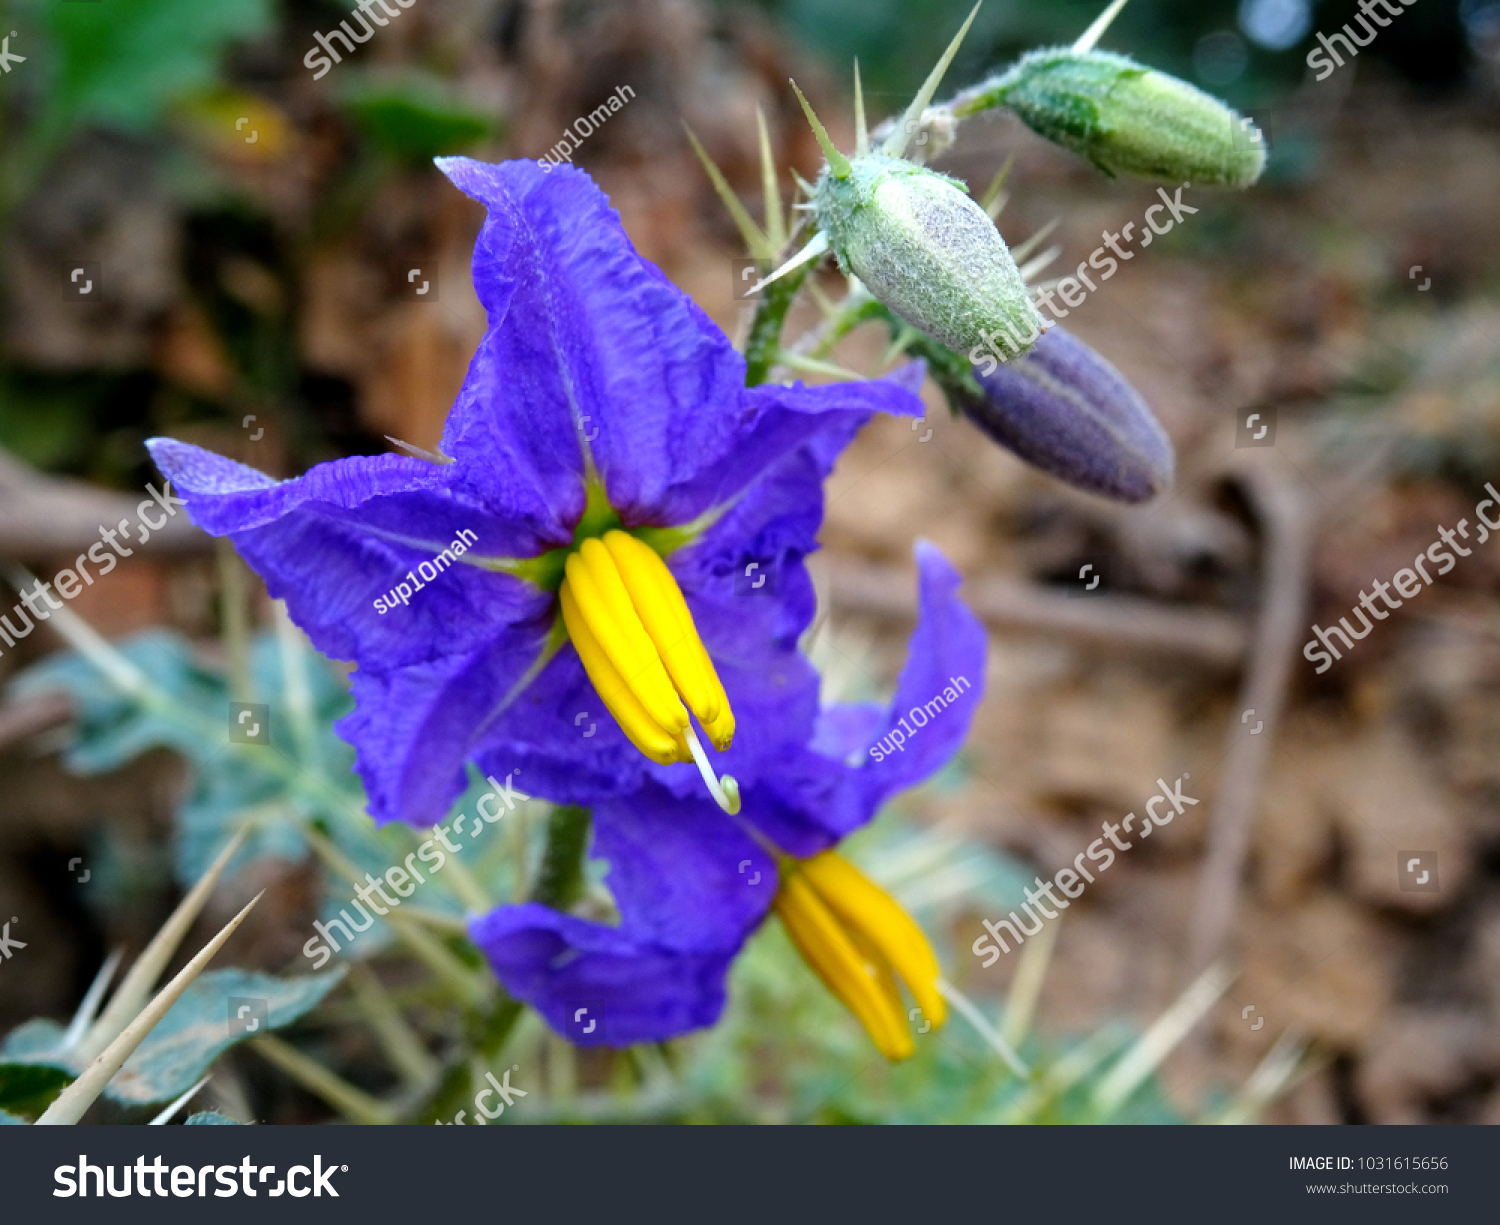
[43, 517]
[1287, 531]
[1208, 635]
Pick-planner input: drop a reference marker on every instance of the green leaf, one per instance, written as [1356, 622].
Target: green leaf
[34, 1042]
[113, 729]
[122, 63]
[198, 1029]
[210, 1118]
[28, 1088]
[413, 122]
[195, 1032]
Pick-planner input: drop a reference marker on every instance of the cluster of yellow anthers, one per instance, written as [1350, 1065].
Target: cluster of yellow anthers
[859, 940]
[636, 638]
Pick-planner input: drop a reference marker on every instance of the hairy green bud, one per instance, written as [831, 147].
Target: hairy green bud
[1126, 118]
[926, 250]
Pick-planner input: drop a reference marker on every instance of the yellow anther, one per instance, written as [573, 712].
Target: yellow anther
[662, 610]
[721, 730]
[847, 972]
[607, 610]
[868, 909]
[643, 731]
[636, 638]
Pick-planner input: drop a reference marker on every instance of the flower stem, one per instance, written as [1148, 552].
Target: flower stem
[559, 880]
[486, 1036]
[764, 344]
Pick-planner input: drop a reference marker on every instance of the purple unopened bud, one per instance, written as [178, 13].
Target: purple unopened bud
[1065, 409]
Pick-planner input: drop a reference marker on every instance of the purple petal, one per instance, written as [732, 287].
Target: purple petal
[770, 424]
[942, 682]
[348, 533]
[413, 728]
[574, 972]
[584, 333]
[682, 872]
[839, 790]
[587, 341]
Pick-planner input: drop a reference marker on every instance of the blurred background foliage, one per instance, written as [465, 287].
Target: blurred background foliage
[255, 232]
[152, 102]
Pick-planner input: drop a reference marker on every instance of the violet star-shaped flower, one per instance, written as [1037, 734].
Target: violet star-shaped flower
[691, 883]
[603, 411]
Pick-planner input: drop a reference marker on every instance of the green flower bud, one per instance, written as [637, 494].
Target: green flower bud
[1126, 118]
[925, 249]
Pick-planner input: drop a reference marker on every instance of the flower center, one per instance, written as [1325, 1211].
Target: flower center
[857, 939]
[636, 638]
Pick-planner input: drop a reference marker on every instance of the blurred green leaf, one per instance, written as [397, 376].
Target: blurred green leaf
[112, 729]
[34, 1042]
[47, 431]
[412, 122]
[28, 1088]
[198, 1029]
[195, 1032]
[121, 63]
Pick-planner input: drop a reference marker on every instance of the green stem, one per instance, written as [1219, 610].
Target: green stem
[559, 883]
[853, 311]
[947, 369]
[559, 880]
[486, 1036]
[986, 95]
[764, 344]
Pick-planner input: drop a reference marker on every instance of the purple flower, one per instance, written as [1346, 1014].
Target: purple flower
[691, 882]
[603, 429]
